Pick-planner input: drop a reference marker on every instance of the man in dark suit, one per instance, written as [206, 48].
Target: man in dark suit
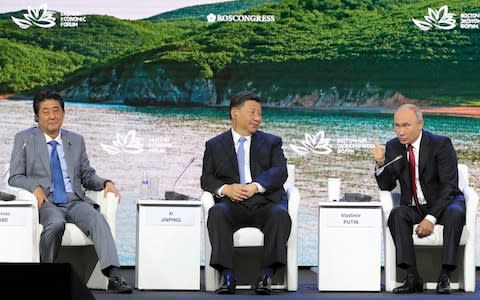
[245, 170]
[52, 163]
[428, 176]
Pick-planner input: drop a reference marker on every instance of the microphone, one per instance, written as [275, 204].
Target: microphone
[172, 195]
[6, 196]
[380, 170]
[15, 158]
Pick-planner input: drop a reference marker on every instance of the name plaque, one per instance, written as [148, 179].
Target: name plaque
[352, 217]
[170, 216]
[12, 216]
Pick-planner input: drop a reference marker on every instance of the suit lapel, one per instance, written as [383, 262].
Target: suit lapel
[423, 153]
[231, 154]
[404, 168]
[255, 145]
[67, 149]
[41, 150]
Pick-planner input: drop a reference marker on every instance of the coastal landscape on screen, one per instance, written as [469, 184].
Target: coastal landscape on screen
[148, 92]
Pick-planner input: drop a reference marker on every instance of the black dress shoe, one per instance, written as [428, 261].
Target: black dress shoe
[443, 286]
[118, 284]
[264, 285]
[227, 284]
[412, 284]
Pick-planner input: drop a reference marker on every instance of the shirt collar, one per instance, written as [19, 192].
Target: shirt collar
[58, 138]
[416, 143]
[236, 136]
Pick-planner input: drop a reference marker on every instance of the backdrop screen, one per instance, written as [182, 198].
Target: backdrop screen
[148, 83]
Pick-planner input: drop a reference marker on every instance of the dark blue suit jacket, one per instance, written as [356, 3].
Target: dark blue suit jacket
[268, 164]
[438, 172]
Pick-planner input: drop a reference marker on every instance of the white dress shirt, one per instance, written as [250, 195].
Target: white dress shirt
[248, 174]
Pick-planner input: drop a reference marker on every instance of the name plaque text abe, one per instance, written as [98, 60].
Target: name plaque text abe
[12, 216]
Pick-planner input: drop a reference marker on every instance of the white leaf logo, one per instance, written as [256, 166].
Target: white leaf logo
[41, 17]
[128, 143]
[440, 19]
[313, 144]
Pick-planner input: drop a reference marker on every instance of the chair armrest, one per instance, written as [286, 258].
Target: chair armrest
[387, 203]
[207, 202]
[23, 195]
[471, 204]
[108, 207]
[293, 196]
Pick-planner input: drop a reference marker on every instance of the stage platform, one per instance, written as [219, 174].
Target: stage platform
[307, 289]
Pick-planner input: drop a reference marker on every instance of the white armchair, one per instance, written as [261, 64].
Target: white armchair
[77, 249]
[253, 237]
[428, 250]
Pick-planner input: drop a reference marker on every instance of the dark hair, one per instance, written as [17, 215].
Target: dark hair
[46, 94]
[239, 98]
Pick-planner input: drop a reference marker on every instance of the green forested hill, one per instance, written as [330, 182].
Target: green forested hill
[200, 11]
[367, 35]
[332, 30]
[48, 55]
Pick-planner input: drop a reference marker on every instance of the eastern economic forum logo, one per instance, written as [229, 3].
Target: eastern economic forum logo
[43, 18]
[444, 20]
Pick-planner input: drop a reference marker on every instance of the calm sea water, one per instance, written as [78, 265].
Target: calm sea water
[125, 142]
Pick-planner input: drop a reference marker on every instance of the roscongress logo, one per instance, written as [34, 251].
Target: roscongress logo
[212, 18]
[440, 19]
[40, 17]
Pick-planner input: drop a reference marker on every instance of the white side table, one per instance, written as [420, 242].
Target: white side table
[349, 250]
[168, 244]
[16, 232]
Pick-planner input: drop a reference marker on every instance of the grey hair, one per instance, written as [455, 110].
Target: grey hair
[409, 106]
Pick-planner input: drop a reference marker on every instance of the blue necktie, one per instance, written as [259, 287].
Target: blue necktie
[59, 192]
[241, 159]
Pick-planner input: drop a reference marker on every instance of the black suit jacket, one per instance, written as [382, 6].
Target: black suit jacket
[267, 164]
[438, 172]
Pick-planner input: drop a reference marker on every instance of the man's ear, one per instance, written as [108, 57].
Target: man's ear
[36, 118]
[233, 113]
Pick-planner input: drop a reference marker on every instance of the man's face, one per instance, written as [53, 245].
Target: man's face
[407, 126]
[246, 118]
[50, 117]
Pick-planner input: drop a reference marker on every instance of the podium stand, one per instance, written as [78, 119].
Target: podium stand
[16, 232]
[168, 244]
[349, 250]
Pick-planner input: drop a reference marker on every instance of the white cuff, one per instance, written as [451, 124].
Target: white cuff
[260, 188]
[431, 218]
